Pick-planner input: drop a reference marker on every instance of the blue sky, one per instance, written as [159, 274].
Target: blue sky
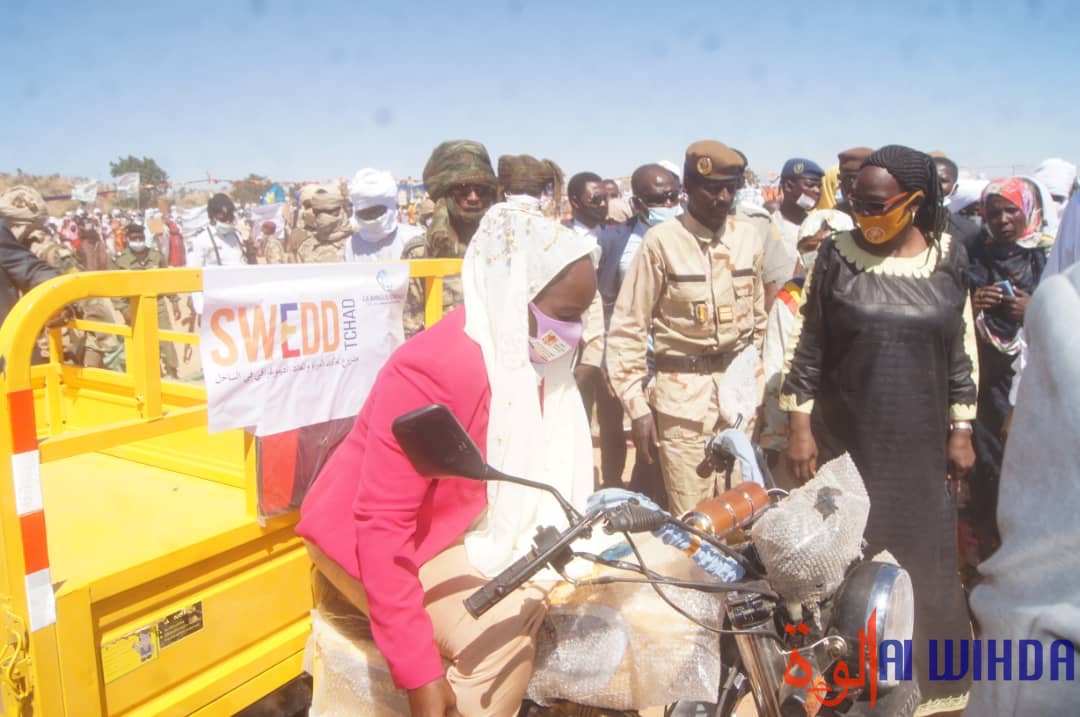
[304, 90]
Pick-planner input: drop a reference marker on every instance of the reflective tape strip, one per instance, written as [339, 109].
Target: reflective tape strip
[23, 427]
[40, 601]
[35, 547]
[26, 475]
[26, 480]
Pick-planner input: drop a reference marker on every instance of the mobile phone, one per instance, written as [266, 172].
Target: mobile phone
[1006, 287]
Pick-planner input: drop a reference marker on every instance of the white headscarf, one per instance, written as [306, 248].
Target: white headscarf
[968, 191]
[1050, 209]
[1058, 175]
[514, 254]
[371, 188]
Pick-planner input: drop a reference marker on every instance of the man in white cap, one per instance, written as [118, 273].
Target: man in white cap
[377, 236]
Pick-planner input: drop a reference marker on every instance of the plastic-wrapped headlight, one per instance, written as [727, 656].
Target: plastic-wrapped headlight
[874, 586]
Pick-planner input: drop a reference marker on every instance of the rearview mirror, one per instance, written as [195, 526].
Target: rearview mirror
[437, 444]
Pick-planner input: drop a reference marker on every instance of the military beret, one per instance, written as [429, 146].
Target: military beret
[851, 160]
[801, 168]
[709, 159]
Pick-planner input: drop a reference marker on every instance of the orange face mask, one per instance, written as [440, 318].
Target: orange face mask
[886, 226]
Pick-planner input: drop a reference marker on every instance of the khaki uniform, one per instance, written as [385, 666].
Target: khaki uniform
[700, 295]
[91, 349]
[453, 295]
[313, 251]
[128, 260]
[273, 251]
[778, 266]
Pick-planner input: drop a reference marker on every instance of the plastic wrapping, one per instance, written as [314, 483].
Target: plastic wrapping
[349, 675]
[289, 462]
[807, 541]
[620, 646]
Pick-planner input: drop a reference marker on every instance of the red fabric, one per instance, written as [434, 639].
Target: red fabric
[374, 515]
[176, 245]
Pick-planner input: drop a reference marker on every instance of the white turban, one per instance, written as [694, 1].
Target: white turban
[371, 187]
[968, 191]
[1058, 175]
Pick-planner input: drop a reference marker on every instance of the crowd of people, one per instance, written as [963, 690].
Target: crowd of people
[876, 308]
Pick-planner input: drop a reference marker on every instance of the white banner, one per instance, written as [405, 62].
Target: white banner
[289, 345]
[269, 213]
[85, 192]
[128, 184]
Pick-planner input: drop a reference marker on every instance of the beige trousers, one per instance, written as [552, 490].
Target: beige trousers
[491, 658]
[682, 448]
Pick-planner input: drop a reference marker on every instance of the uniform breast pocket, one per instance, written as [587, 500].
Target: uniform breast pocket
[686, 304]
[742, 282]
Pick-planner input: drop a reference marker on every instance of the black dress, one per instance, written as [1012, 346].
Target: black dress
[884, 354]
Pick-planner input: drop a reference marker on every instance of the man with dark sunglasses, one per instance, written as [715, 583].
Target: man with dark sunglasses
[695, 287]
[461, 182]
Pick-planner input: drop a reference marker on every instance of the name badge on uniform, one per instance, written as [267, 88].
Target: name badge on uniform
[725, 314]
[701, 311]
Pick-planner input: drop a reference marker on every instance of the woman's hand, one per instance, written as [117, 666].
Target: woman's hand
[960, 454]
[435, 699]
[1016, 306]
[802, 448]
[986, 297]
[643, 431]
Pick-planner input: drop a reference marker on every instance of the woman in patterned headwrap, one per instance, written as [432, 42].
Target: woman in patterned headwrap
[460, 180]
[882, 366]
[1015, 251]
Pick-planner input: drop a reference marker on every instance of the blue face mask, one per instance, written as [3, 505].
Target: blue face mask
[662, 214]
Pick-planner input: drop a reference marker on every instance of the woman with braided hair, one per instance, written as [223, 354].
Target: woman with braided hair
[883, 367]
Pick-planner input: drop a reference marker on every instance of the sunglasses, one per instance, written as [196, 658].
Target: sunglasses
[714, 187]
[870, 208]
[657, 200]
[463, 191]
[326, 211]
[595, 200]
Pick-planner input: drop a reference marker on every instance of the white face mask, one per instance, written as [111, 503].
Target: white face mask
[137, 245]
[375, 230]
[805, 202]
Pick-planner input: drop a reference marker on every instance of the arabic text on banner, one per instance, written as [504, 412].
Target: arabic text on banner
[289, 345]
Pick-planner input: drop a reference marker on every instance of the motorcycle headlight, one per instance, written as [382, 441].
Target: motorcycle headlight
[874, 586]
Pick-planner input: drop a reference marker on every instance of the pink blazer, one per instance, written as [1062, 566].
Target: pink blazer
[374, 515]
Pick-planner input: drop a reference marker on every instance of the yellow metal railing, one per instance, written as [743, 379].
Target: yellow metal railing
[26, 597]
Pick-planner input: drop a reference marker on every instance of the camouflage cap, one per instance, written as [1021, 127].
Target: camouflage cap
[709, 159]
[459, 161]
[23, 205]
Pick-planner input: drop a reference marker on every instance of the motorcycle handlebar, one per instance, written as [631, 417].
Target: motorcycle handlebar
[549, 547]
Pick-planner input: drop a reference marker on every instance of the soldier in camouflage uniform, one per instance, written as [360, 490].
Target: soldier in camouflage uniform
[460, 180]
[24, 210]
[137, 256]
[326, 224]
